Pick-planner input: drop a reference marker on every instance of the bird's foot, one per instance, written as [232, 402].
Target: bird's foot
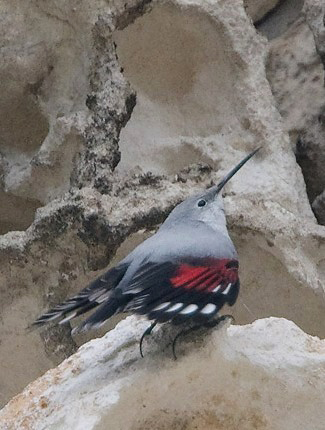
[210, 324]
[147, 332]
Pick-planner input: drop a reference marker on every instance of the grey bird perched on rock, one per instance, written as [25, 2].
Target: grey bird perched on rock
[186, 271]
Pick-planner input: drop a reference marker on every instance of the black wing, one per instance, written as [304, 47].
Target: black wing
[178, 291]
[97, 292]
[164, 291]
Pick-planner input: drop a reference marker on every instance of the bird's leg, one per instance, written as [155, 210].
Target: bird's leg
[210, 324]
[147, 332]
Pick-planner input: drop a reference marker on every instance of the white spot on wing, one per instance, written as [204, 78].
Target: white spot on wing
[208, 309]
[176, 307]
[161, 306]
[189, 309]
[227, 289]
[216, 289]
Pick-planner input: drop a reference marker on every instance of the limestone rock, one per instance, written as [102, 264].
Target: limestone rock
[267, 375]
[280, 19]
[312, 142]
[257, 9]
[314, 11]
[66, 92]
[296, 75]
[60, 85]
[319, 208]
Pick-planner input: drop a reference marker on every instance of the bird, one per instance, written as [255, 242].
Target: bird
[186, 272]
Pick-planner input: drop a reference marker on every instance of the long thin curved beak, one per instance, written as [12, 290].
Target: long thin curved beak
[223, 182]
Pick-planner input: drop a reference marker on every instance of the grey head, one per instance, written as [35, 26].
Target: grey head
[206, 207]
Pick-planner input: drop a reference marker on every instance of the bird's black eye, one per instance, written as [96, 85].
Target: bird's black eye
[201, 203]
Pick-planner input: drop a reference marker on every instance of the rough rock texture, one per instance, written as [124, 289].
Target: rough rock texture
[313, 143]
[257, 9]
[63, 104]
[295, 69]
[202, 102]
[280, 18]
[268, 375]
[319, 208]
[296, 75]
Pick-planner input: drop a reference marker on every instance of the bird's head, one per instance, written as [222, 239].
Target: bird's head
[206, 207]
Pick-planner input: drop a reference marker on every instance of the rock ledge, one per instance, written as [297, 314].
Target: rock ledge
[266, 375]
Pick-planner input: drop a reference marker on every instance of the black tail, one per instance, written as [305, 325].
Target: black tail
[97, 293]
[98, 318]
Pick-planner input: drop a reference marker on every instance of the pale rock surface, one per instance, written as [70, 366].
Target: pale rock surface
[269, 375]
[319, 208]
[296, 75]
[313, 143]
[73, 103]
[49, 54]
[279, 20]
[257, 9]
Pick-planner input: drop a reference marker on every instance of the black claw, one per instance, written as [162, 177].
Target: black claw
[183, 332]
[174, 344]
[209, 324]
[147, 332]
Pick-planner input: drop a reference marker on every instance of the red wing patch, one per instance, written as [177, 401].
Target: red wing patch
[178, 291]
[214, 274]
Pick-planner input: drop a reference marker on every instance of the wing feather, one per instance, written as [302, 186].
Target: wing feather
[177, 291]
[87, 299]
